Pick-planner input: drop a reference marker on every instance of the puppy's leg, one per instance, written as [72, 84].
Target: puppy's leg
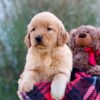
[58, 86]
[27, 81]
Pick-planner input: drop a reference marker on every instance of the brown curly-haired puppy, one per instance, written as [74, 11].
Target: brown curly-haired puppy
[48, 57]
[96, 70]
[83, 42]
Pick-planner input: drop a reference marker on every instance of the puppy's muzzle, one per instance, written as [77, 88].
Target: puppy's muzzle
[83, 39]
[39, 39]
[82, 35]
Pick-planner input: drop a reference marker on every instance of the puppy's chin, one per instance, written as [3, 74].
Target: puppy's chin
[82, 42]
[45, 47]
[41, 46]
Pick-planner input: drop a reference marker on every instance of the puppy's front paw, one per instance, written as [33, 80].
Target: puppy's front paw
[19, 93]
[57, 91]
[26, 86]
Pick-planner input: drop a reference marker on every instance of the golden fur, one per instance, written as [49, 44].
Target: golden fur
[49, 61]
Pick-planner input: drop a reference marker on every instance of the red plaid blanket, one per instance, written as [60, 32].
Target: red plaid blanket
[83, 87]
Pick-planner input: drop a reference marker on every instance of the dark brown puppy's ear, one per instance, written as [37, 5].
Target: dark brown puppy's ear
[63, 36]
[27, 40]
[98, 40]
[71, 42]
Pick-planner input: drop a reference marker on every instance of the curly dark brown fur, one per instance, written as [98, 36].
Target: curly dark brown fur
[80, 57]
[98, 47]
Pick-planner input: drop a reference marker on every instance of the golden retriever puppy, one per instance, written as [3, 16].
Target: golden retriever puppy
[48, 57]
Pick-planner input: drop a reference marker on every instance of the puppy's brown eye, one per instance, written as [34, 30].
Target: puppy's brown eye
[33, 29]
[49, 28]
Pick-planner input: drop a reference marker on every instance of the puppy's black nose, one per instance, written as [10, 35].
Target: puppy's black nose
[82, 35]
[38, 38]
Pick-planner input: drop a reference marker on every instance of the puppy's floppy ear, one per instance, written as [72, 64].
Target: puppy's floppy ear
[27, 37]
[63, 36]
[98, 40]
[27, 40]
[71, 42]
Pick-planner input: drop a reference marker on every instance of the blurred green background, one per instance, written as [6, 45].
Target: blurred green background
[14, 17]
